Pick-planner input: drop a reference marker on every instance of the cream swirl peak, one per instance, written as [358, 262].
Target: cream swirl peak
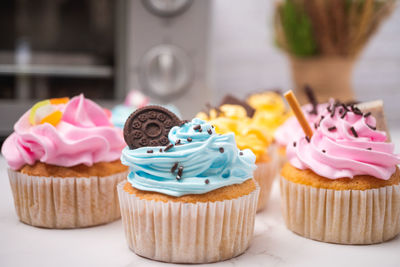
[344, 144]
[196, 161]
[70, 133]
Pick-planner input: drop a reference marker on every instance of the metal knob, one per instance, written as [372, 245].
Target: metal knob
[165, 72]
[167, 8]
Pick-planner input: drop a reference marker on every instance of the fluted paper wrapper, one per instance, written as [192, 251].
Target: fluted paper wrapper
[185, 232]
[58, 202]
[265, 175]
[341, 216]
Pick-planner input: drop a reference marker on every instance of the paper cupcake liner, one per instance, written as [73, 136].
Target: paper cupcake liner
[185, 232]
[57, 202]
[341, 216]
[265, 175]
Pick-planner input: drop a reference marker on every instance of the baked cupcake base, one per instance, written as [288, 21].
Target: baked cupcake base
[341, 216]
[65, 202]
[185, 232]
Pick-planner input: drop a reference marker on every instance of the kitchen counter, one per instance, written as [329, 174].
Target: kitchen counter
[273, 244]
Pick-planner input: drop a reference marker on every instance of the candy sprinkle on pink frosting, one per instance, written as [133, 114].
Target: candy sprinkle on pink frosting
[345, 146]
[84, 135]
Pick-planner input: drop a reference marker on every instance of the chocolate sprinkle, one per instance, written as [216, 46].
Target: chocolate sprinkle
[197, 127]
[173, 169]
[319, 123]
[356, 110]
[369, 148]
[189, 139]
[367, 114]
[168, 147]
[353, 131]
[294, 144]
[315, 125]
[308, 139]
[221, 149]
[209, 131]
[160, 149]
[178, 141]
[345, 107]
[183, 122]
[180, 171]
[323, 151]
[149, 151]
[344, 114]
[200, 130]
[332, 128]
[371, 127]
[311, 97]
[241, 153]
[207, 181]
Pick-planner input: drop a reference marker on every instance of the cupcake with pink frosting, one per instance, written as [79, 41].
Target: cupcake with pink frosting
[291, 130]
[64, 164]
[342, 185]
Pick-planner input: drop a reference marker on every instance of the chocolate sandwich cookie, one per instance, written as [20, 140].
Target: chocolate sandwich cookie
[231, 100]
[149, 126]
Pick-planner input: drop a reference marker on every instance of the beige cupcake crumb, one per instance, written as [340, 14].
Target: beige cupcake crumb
[100, 169]
[220, 194]
[359, 182]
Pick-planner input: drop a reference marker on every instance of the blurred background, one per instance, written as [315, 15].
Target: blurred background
[190, 52]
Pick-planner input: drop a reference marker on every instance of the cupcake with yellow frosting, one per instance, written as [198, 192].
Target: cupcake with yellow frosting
[249, 134]
[271, 112]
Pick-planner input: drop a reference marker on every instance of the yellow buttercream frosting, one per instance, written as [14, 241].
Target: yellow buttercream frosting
[271, 111]
[233, 118]
[255, 133]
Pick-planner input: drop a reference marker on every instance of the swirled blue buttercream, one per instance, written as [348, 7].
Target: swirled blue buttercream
[208, 156]
[120, 113]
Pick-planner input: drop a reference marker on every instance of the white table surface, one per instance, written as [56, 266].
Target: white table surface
[273, 244]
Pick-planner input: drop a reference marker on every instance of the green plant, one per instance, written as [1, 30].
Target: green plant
[328, 27]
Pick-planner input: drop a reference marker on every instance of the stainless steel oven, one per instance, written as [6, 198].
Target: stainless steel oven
[103, 48]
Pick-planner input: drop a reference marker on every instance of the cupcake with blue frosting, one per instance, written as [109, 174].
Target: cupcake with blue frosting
[190, 196]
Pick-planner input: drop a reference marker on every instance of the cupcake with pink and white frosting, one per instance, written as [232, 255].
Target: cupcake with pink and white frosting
[63, 159]
[342, 185]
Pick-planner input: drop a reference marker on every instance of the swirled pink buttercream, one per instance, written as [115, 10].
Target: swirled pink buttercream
[345, 146]
[84, 135]
[291, 129]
